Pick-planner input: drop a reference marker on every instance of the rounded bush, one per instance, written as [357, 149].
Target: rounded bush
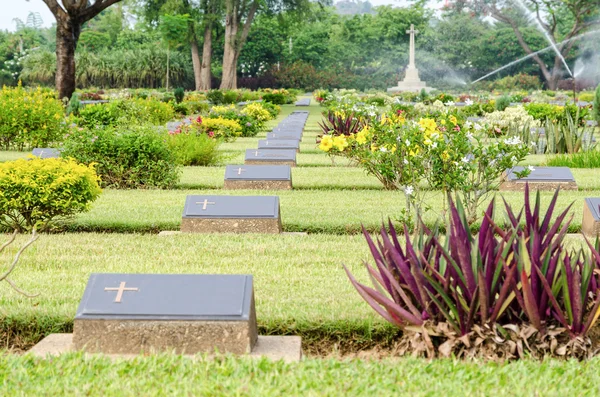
[34, 192]
[125, 157]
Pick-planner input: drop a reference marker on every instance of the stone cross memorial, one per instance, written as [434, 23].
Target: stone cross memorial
[46, 153]
[265, 177]
[541, 178]
[271, 157]
[591, 217]
[181, 313]
[279, 144]
[231, 214]
[411, 81]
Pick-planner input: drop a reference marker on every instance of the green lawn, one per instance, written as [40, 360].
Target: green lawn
[173, 375]
[300, 289]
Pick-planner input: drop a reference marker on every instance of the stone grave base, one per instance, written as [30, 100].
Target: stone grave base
[286, 348]
[279, 148]
[234, 225]
[259, 162]
[257, 184]
[520, 186]
[136, 336]
[589, 225]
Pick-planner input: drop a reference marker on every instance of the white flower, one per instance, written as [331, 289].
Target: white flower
[405, 162]
[407, 142]
[383, 149]
[468, 102]
[531, 168]
[449, 103]
[513, 141]
[478, 127]
[469, 135]
[468, 125]
[465, 159]
[409, 190]
[434, 145]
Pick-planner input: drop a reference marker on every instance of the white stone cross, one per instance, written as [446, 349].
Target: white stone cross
[411, 54]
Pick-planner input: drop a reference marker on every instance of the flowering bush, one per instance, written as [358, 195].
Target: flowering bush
[499, 122]
[125, 112]
[249, 125]
[30, 118]
[219, 127]
[443, 152]
[258, 112]
[194, 149]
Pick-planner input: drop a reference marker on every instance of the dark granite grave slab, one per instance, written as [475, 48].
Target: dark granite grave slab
[591, 123]
[263, 177]
[541, 178]
[271, 156]
[84, 103]
[590, 224]
[297, 136]
[185, 313]
[231, 214]
[474, 119]
[274, 144]
[303, 102]
[46, 153]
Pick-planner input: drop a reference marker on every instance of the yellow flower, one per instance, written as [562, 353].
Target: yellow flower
[453, 120]
[340, 143]
[326, 143]
[445, 155]
[443, 122]
[383, 120]
[362, 135]
[374, 147]
[394, 148]
[427, 141]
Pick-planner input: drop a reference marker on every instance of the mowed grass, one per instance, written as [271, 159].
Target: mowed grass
[73, 374]
[299, 282]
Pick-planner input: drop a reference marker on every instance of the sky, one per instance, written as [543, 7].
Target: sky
[11, 9]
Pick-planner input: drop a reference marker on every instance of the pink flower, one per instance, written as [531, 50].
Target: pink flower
[457, 128]
[199, 120]
[211, 134]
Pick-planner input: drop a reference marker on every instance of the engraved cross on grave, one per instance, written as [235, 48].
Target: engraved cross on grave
[185, 313]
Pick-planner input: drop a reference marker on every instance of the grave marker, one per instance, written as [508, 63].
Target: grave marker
[541, 178]
[46, 153]
[270, 144]
[270, 157]
[231, 214]
[303, 102]
[183, 313]
[265, 177]
[591, 217]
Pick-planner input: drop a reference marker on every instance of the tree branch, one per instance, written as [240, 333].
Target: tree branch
[56, 9]
[95, 9]
[34, 237]
[248, 24]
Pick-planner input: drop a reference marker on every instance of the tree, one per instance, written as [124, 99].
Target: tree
[70, 16]
[236, 33]
[559, 21]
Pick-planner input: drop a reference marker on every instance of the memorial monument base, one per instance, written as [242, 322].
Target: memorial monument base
[231, 225]
[286, 348]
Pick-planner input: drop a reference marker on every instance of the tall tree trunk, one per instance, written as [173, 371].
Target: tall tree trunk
[196, 63]
[67, 34]
[228, 81]
[205, 74]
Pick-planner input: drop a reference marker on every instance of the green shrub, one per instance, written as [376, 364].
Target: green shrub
[125, 157]
[273, 109]
[519, 81]
[502, 103]
[126, 112]
[230, 97]
[597, 104]
[215, 97]
[194, 149]
[179, 93]
[30, 118]
[181, 109]
[276, 99]
[586, 96]
[35, 191]
[556, 113]
[197, 107]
